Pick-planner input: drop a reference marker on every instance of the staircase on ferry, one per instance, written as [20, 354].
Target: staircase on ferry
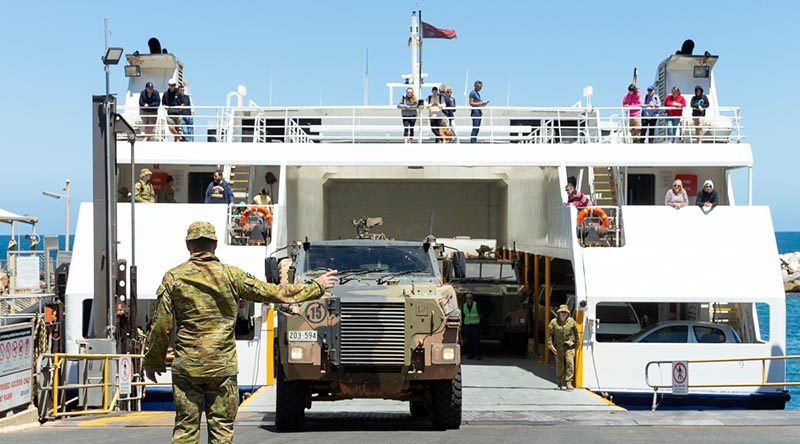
[240, 182]
[603, 186]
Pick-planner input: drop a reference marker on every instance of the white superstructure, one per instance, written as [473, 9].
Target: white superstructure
[335, 164]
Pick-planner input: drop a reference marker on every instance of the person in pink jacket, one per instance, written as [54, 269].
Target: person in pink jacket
[632, 102]
[676, 197]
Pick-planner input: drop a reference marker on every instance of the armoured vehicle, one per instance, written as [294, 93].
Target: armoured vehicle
[389, 329]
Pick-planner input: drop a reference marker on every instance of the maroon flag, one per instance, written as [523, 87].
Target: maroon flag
[431, 32]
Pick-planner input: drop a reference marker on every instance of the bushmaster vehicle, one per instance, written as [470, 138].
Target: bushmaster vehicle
[389, 329]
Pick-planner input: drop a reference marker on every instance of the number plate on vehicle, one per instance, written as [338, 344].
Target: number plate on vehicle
[303, 335]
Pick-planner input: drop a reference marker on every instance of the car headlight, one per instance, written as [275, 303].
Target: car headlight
[445, 353]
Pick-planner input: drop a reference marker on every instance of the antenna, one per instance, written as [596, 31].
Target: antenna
[270, 85]
[508, 91]
[433, 217]
[366, 80]
[466, 84]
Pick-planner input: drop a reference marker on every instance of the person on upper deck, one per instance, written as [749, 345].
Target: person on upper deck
[676, 197]
[632, 102]
[707, 198]
[187, 113]
[408, 110]
[436, 104]
[650, 114]
[575, 197]
[149, 100]
[675, 104]
[219, 190]
[450, 105]
[173, 100]
[699, 104]
[476, 113]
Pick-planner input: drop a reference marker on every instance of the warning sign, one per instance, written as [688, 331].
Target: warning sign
[680, 378]
[125, 375]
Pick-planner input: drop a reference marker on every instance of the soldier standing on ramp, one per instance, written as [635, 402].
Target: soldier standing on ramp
[562, 337]
[202, 296]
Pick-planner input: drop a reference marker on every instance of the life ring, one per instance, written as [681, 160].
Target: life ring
[593, 212]
[256, 209]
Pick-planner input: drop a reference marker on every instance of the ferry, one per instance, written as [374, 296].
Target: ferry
[685, 274]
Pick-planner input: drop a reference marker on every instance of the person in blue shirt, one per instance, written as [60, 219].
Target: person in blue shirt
[476, 113]
[149, 100]
[219, 191]
[651, 105]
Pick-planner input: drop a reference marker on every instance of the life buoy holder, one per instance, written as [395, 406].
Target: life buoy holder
[256, 209]
[593, 212]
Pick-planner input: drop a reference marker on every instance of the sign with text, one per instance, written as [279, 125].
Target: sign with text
[680, 378]
[16, 349]
[15, 390]
[26, 272]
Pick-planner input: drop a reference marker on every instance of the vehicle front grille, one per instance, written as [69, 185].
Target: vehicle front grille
[372, 334]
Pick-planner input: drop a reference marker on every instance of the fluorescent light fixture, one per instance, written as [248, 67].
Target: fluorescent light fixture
[133, 71]
[51, 194]
[112, 56]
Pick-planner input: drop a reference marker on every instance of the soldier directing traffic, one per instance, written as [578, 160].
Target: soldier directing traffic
[562, 337]
[202, 297]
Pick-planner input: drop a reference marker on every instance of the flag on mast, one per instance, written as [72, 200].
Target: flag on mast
[431, 32]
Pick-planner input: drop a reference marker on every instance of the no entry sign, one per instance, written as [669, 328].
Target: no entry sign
[680, 378]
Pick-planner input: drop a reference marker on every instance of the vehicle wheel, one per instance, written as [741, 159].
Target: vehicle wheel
[446, 403]
[283, 271]
[290, 402]
[419, 409]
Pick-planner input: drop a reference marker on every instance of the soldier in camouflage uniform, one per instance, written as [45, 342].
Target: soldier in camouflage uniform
[202, 297]
[143, 189]
[562, 338]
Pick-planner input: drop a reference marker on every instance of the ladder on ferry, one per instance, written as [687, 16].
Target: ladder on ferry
[240, 182]
[603, 186]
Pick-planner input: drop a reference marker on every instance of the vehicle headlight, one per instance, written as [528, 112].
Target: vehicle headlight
[445, 353]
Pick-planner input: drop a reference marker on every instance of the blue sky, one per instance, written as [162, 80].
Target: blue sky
[550, 50]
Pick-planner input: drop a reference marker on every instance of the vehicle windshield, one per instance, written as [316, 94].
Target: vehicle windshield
[378, 259]
[496, 271]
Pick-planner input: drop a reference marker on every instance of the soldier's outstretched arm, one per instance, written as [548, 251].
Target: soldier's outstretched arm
[158, 340]
[250, 288]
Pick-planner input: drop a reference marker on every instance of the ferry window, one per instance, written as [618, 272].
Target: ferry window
[676, 334]
[616, 314]
[762, 310]
[709, 335]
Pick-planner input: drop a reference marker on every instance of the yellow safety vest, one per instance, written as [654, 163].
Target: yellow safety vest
[471, 316]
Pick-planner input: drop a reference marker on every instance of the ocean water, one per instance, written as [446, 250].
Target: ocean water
[788, 242]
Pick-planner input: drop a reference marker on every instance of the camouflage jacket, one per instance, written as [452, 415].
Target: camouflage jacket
[143, 192]
[562, 335]
[202, 297]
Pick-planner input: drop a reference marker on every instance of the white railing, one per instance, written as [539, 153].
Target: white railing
[384, 124]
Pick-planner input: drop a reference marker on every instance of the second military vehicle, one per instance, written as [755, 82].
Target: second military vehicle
[389, 329]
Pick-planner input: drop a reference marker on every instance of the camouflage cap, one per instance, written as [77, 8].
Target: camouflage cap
[145, 172]
[201, 229]
[563, 309]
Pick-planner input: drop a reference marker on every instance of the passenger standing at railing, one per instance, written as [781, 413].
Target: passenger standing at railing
[476, 113]
[149, 100]
[699, 104]
[650, 114]
[172, 100]
[435, 105]
[675, 104]
[408, 110]
[707, 198]
[262, 198]
[219, 190]
[575, 197]
[676, 197]
[186, 111]
[450, 106]
[633, 104]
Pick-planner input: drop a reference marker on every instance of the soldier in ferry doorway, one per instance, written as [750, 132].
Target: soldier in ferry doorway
[562, 338]
[143, 190]
[472, 328]
[201, 296]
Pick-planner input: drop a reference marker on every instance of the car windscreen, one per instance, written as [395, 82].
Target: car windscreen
[388, 259]
[616, 314]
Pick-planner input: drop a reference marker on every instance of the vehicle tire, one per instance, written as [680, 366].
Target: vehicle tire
[271, 270]
[446, 403]
[290, 402]
[283, 271]
[419, 409]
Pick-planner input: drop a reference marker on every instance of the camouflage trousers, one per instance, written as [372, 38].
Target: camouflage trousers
[565, 366]
[217, 397]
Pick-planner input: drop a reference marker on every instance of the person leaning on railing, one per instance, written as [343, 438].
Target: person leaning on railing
[408, 110]
[435, 105]
[172, 99]
[632, 103]
[699, 104]
[650, 114]
[676, 197]
[149, 100]
[707, 198]
[575, 197]
[675, 104]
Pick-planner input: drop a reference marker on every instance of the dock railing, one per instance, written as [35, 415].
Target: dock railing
[739, 361]
[384, 124]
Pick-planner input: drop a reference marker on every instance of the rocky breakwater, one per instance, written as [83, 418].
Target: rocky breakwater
[790, 269]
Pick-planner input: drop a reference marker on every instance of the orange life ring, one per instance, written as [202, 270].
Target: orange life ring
[593, 212]
[255, 209]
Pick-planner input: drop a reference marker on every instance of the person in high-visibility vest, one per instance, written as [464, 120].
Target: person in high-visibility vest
[562, 338]
[472, 328]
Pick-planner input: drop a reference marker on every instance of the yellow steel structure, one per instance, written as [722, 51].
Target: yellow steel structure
[546, 357]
